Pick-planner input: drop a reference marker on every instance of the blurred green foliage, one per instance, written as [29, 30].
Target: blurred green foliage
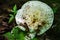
[12, 16]
[15, 34]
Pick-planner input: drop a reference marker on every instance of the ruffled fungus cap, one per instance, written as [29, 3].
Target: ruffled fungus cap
[36, 15]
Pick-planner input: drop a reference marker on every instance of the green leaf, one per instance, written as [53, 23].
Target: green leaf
[9, 36]
[13, 15]
[15, 9]
[10, 15]
[19, 35]
[11, 18]
[15, 34]
[35, 38]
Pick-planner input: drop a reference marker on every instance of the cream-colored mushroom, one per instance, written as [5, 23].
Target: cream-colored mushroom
[37, 15]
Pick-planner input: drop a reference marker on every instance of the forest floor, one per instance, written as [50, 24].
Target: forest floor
[5, 5]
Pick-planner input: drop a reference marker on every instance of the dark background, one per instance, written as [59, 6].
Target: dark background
[5, 5]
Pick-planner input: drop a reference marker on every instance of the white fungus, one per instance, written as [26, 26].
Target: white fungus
[37, 15]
